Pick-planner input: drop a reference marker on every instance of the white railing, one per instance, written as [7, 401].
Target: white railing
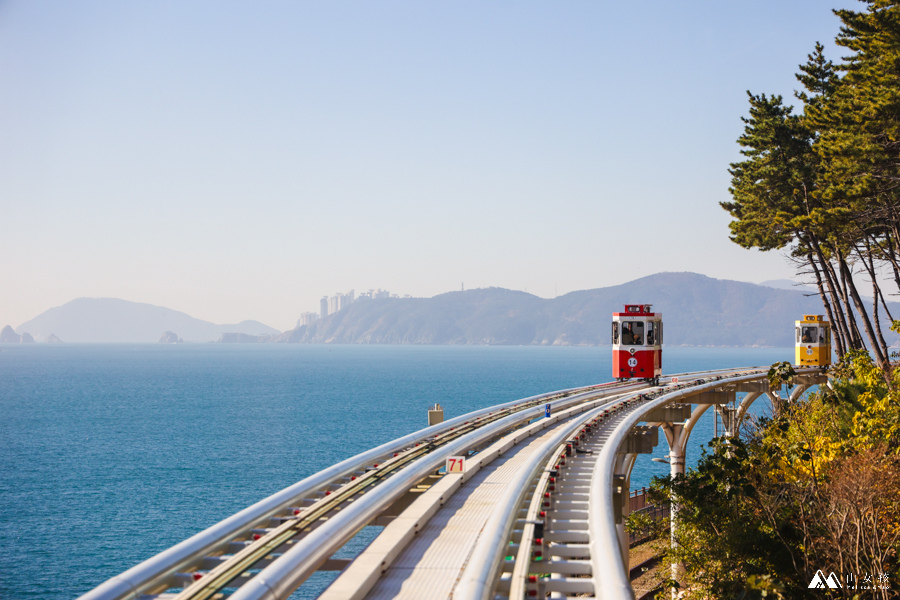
[155, 571]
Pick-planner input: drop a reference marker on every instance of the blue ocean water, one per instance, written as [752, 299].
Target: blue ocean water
[110, 454]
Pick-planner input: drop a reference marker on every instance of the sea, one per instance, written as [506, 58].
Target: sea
[112, 453]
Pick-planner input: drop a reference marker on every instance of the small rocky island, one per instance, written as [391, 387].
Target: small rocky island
[170, 337]
[9, 336]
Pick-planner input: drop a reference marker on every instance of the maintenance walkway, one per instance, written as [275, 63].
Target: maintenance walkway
[518, 500]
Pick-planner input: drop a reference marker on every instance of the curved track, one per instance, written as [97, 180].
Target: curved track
[533, 513]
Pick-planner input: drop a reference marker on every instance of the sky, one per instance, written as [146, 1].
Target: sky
[239, 160]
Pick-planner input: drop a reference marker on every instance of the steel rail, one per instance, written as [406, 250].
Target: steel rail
[223, 574]
[484, 565]
[160, 571]
[155, 571]
[610, 575]
[483, 568]
[359, 578]
[279, 579]
[219, 577]
[552, 477]
[523, 562]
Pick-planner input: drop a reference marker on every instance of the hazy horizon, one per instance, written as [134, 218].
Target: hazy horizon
[237, 162]
[784, 284]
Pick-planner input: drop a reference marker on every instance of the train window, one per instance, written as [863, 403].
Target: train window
[615, 332]
[822, 335]
[809, 335]
[633, 333]
[798, 335]
[660, 334]
[650, 334]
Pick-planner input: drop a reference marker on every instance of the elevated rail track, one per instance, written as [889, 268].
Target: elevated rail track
[538, 510]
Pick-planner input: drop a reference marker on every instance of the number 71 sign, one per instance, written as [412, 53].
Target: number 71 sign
[455, 464]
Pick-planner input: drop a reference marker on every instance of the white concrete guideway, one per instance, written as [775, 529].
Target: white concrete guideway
[539, 508]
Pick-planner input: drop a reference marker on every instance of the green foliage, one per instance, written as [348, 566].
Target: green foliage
[781, 373]
[722, 535]
[823, 183]
[763, 586]
[876, 421]
[860, 126]
[770, 187]
[895, 326]
[817, 485]
[639, 522]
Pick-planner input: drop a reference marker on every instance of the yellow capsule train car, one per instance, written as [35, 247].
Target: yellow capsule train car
[813, 341]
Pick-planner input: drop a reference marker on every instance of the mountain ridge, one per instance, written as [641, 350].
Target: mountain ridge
[697, 311]
[112, 320]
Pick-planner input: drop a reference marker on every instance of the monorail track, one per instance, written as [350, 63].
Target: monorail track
[215, 561]
[275, 540]
[535, 540]
[270, 548]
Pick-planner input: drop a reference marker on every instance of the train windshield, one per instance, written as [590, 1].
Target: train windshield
[809, 335]
[633, 333]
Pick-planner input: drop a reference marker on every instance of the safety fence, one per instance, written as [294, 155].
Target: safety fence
[639, 503]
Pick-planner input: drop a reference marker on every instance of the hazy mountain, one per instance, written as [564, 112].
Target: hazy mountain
[8, 336]
[788, 284]
[170, 337]
[113, 320]
[697, 310]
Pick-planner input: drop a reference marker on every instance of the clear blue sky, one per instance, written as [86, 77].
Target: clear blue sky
[240, 160]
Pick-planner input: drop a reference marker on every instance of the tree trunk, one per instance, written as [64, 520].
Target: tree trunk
[839, 338]
[876, 348]
[840, 322]
[858, 343]
[892, 256]
[893, 260]
[868, 261]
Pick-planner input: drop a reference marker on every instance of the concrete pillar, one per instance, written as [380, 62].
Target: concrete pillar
[620, 505]
[730, 423]
[744, 406]
[676, 462]
[435, 415]
[623, 467]
[677, 435]
[798, 391]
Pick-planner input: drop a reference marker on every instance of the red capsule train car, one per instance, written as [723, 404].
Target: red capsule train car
[637, 343]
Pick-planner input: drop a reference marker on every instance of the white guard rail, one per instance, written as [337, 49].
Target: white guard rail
[150, 573]
[485, 563]
[611, 575]
[279, 579]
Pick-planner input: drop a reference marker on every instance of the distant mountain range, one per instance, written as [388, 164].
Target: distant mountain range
[787, 284]
[111, 320]
[697, 311]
